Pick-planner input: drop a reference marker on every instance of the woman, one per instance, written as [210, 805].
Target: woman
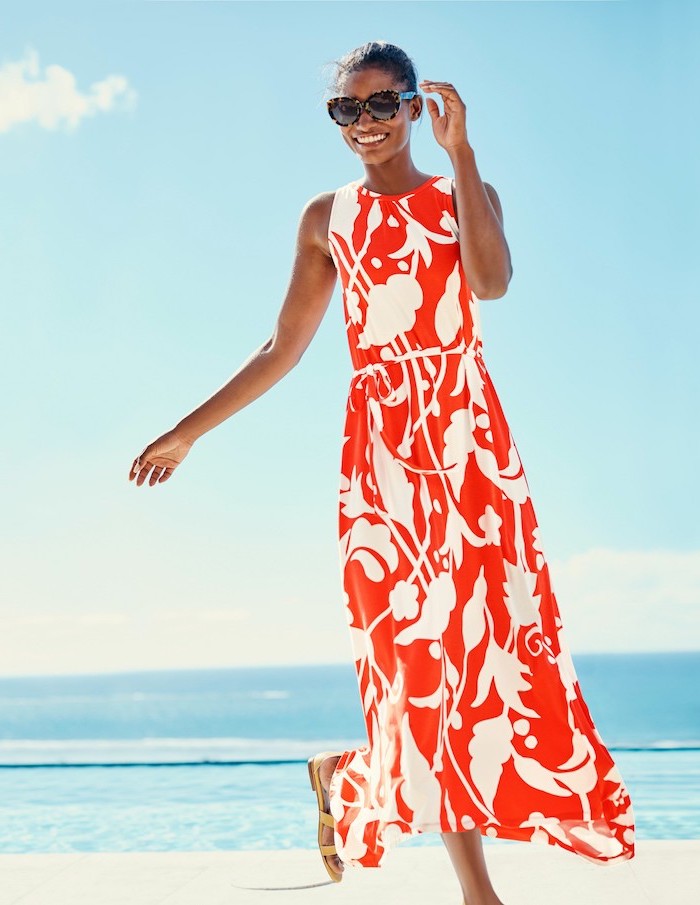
[475, 720]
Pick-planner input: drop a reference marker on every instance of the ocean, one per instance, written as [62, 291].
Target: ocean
[216, 758]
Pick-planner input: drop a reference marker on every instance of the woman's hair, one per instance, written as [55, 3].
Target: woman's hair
[377, 55]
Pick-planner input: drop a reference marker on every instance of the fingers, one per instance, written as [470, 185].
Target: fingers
[157, 475]
[139, 464]
[142, 467]
[140, 470]
[436, 86]
[156, 467]
[432, 106]
[446, 90]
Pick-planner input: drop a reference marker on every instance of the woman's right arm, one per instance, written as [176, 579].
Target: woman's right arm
[308, 294]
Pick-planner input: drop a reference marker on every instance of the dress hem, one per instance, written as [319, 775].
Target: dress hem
[625, 855]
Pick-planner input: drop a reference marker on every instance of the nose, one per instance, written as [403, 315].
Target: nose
[365, 119]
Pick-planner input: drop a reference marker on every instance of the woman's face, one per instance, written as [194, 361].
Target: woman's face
[397, 130]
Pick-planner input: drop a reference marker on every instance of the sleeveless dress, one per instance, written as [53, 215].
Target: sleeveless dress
[471, 702]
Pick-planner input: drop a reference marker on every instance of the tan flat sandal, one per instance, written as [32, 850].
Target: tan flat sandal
[324, 818]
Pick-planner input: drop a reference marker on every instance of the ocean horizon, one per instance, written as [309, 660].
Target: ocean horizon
[190, 759]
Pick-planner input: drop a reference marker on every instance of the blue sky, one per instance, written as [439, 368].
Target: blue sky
[155, 160]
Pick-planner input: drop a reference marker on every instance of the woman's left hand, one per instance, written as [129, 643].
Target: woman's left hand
[450, 129]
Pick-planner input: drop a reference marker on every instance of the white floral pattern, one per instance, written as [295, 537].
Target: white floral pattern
[472, 705]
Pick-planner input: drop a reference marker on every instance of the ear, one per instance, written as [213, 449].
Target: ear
[417, 103]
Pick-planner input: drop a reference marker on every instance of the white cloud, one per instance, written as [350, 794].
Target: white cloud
[53, 99]
[82, 612]
[70, 643]
[635, 600]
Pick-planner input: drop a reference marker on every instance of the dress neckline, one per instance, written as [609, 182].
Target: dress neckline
[418, 188]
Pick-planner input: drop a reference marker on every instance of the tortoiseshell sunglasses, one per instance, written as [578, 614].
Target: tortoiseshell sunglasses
[381, 105]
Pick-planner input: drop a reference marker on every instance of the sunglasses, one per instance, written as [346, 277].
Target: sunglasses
[381, 105]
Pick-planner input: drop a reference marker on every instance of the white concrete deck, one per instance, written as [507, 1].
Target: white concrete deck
[661, 873]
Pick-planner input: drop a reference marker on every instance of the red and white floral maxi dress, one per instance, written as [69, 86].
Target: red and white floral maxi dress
[472, 705]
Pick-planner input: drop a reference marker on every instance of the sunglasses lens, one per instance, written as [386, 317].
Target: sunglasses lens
[383, 105]
[344, 111]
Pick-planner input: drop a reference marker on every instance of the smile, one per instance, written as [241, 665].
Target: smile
[372, 139]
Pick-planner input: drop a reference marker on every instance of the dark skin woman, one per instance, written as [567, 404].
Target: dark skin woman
[389, 169]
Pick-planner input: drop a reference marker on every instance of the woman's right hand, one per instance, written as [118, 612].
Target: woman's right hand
[163, 456]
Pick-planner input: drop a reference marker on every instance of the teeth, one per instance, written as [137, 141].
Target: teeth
[371, 139]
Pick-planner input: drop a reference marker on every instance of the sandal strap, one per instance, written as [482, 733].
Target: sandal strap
[328, 850]
[326, 818]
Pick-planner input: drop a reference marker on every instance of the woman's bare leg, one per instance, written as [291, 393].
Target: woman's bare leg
[467, 855]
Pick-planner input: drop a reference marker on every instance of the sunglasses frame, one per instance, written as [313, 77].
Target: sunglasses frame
[364, 105]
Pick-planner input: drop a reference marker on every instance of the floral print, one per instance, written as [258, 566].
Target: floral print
[472, 705]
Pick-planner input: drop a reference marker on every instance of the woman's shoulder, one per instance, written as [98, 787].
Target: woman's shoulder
[316, 217]
[319, 208]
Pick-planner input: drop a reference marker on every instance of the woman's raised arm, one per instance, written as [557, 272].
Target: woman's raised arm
[309, 291]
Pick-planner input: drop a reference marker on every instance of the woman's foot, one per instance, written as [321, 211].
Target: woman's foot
[325, 772]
